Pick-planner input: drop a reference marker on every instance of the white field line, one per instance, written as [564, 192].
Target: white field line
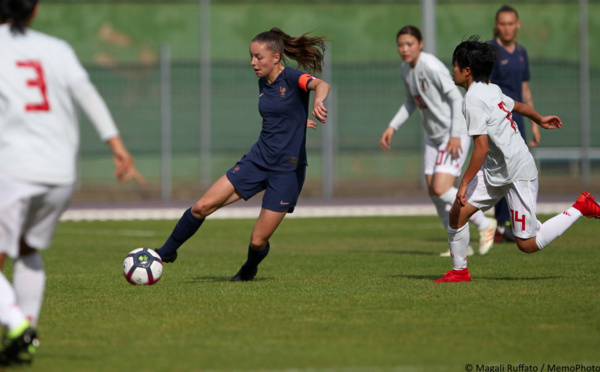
[232, 212]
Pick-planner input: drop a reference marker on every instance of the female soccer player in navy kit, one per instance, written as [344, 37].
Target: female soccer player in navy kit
[277, 162]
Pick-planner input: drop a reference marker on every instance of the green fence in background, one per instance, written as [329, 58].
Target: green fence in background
[119, 43]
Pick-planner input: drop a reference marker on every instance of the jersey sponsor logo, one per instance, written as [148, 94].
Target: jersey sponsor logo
[38, 82]
[282, 92]
[504, 61]
[237, 168]
[420, 102]
[293, 160]
[283, 203]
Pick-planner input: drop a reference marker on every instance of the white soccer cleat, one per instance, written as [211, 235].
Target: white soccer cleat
[486, 237]
[470, 252]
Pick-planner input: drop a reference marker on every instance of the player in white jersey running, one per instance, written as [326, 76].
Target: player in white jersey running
[430, 88]
[501, 164]
[40, 77]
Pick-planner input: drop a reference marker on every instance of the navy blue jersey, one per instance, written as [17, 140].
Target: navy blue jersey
[509, 73]
[283, 106]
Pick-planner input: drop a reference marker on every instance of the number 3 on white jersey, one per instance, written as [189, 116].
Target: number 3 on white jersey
[38, 82]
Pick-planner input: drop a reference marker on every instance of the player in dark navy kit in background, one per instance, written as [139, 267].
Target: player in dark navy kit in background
[511, 74]
[277, 161]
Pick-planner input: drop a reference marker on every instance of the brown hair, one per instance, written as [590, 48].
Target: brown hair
[503, 9]
[410, 30]
[306, 50]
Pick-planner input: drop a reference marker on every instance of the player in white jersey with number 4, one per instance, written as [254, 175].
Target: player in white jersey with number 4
[40, 77]
[501, 164]
[430, 88]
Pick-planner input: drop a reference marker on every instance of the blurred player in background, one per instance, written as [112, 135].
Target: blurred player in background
[430, 88]
[511, 74]
[501, 164]
[40, 77]
[277, 162]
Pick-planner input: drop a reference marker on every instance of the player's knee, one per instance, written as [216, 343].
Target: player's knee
[25, 249]
[202, 209]
[436, 190]
[454, 217]
[258, 243]
[526, 246]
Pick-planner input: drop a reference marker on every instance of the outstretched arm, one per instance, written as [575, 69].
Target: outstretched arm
[90, 101]
[321, 89]
[528, 100]
[546, 122]
[125, 169]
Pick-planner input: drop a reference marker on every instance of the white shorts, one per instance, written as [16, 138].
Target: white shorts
[437, 160]
[521, 197]
[31, 211]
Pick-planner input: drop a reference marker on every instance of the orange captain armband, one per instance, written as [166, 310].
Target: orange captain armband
[304, 80]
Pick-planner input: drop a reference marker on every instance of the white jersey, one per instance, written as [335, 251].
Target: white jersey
[39, 133]
[488, 111]
[428, 85]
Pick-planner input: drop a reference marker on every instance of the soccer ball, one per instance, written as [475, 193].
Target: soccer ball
[142, 266]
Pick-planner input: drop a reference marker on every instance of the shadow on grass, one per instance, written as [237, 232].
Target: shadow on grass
[422, 253]
[216, 279]
[434, 277]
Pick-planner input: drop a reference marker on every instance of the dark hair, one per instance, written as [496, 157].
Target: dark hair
[477, 55]
[306, 50]
[503, 9]
[410, 30]
[18, 12]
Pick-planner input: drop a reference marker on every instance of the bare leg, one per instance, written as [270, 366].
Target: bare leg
[265, 226]
[221, 193]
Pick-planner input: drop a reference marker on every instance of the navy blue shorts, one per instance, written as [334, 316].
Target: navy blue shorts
[281, 188]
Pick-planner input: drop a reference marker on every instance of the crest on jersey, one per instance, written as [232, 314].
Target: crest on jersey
[282, 91]
[424, 84]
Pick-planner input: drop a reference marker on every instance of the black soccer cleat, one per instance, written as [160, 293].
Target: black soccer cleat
[19, 350]
[245, 274]
[171, 258]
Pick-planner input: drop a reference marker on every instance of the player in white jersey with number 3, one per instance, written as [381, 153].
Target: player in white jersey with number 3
[40, 77]
[501, 164]
[430, 88]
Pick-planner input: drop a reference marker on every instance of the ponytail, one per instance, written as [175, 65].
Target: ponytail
[306, 50]
[18, 13]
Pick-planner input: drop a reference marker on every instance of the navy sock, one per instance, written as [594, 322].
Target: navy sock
[185, 228]
[254, 257]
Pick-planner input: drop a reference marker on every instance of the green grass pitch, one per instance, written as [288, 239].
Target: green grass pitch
[335, 294]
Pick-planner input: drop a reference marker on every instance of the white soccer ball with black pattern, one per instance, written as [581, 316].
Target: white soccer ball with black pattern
[142, 266]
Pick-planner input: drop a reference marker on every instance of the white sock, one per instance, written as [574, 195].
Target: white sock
[480, 220]
[10, 314]
[443, 203]
[556, 226]
[443, 210]
[29, 281]
[458, 240]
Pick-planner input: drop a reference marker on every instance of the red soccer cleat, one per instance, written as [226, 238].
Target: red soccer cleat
[587, 205]
[455, 276]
